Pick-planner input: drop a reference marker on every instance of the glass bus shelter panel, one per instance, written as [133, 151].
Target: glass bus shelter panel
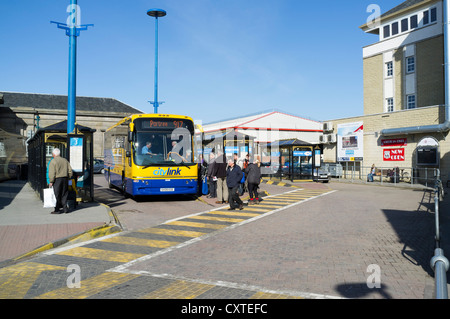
[302, 167]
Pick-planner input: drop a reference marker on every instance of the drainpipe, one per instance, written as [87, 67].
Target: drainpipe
[444, 127]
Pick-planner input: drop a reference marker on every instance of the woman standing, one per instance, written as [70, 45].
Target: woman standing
[253, 173]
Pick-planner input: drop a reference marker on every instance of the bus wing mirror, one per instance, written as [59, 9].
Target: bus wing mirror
[128, 154]
[130, 136]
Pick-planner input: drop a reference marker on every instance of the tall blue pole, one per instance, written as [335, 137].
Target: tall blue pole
[72, 93]
[73, 29]
[156, 13]
[156, 105]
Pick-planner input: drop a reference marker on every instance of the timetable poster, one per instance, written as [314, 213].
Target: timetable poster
[76, 154]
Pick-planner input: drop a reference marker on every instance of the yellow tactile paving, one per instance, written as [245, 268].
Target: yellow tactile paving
[89, 286]
[140, 242]
[15, 281]
[219, 212]
[219, 219]
[99, 254]
[258, 209]
[193, 224]
[171, 232]
[179, 290]
[280, 200]
[268, 295]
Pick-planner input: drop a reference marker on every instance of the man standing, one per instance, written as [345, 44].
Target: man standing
[212, 180]
[59, 171]
[220, 171]
[234, 176]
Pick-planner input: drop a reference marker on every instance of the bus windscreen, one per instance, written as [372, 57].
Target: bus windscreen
[163, 142]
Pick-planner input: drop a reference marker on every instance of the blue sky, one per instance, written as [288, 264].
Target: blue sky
[217, 58]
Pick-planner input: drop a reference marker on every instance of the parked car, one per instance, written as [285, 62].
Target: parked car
[321, 175]
[99, 166]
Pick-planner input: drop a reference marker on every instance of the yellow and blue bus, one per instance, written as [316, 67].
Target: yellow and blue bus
[151, 154]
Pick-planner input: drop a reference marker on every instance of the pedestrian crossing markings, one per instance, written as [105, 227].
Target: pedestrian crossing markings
[16, 280]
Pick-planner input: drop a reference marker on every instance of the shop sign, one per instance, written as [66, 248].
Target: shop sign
[394, 142]
[397, 154]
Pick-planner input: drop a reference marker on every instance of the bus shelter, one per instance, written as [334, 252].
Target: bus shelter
[228, 143]
[77, 148]
[291, 159]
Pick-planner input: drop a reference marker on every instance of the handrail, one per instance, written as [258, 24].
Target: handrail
[439, 263]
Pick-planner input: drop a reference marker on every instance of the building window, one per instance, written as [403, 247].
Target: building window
[413, 22]
[389, 69]
[410, 64]
[429, 16]
[433, 15]
[394, 28]
[411, 100]
[426, 17]
[390, 104]
[404, 24]
[387, 31]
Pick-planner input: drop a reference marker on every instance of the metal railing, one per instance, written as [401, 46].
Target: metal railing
[402, 176]
[439, 263]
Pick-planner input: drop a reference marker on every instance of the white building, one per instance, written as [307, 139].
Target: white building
[267, 127]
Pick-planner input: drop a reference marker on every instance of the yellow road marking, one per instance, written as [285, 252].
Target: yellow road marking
[100, 254]
[268, 295]
[192, 224]
[15, 281]
[140, 242]
[89, 286]
[219, 212]
[172, 232]
[257, 209]
[179, 290]
[220, 219]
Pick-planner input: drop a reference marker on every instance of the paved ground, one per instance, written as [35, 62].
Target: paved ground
[26, 225]
[314, 241]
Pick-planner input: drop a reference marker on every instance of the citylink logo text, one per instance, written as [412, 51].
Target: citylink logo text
[167, 172]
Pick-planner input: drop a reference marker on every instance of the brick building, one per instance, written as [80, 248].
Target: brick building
[24, 113]
[404, 94]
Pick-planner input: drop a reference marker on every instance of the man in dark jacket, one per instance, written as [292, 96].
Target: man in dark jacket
[220, 171]
[234, 176]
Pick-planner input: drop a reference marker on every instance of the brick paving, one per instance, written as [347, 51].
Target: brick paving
[311, 241]
[25, 225]
[323, 246]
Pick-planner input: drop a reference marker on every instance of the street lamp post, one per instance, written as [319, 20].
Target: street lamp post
[73, 29]
[156, 13]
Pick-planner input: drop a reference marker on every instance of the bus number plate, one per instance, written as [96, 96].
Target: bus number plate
[167, 189]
